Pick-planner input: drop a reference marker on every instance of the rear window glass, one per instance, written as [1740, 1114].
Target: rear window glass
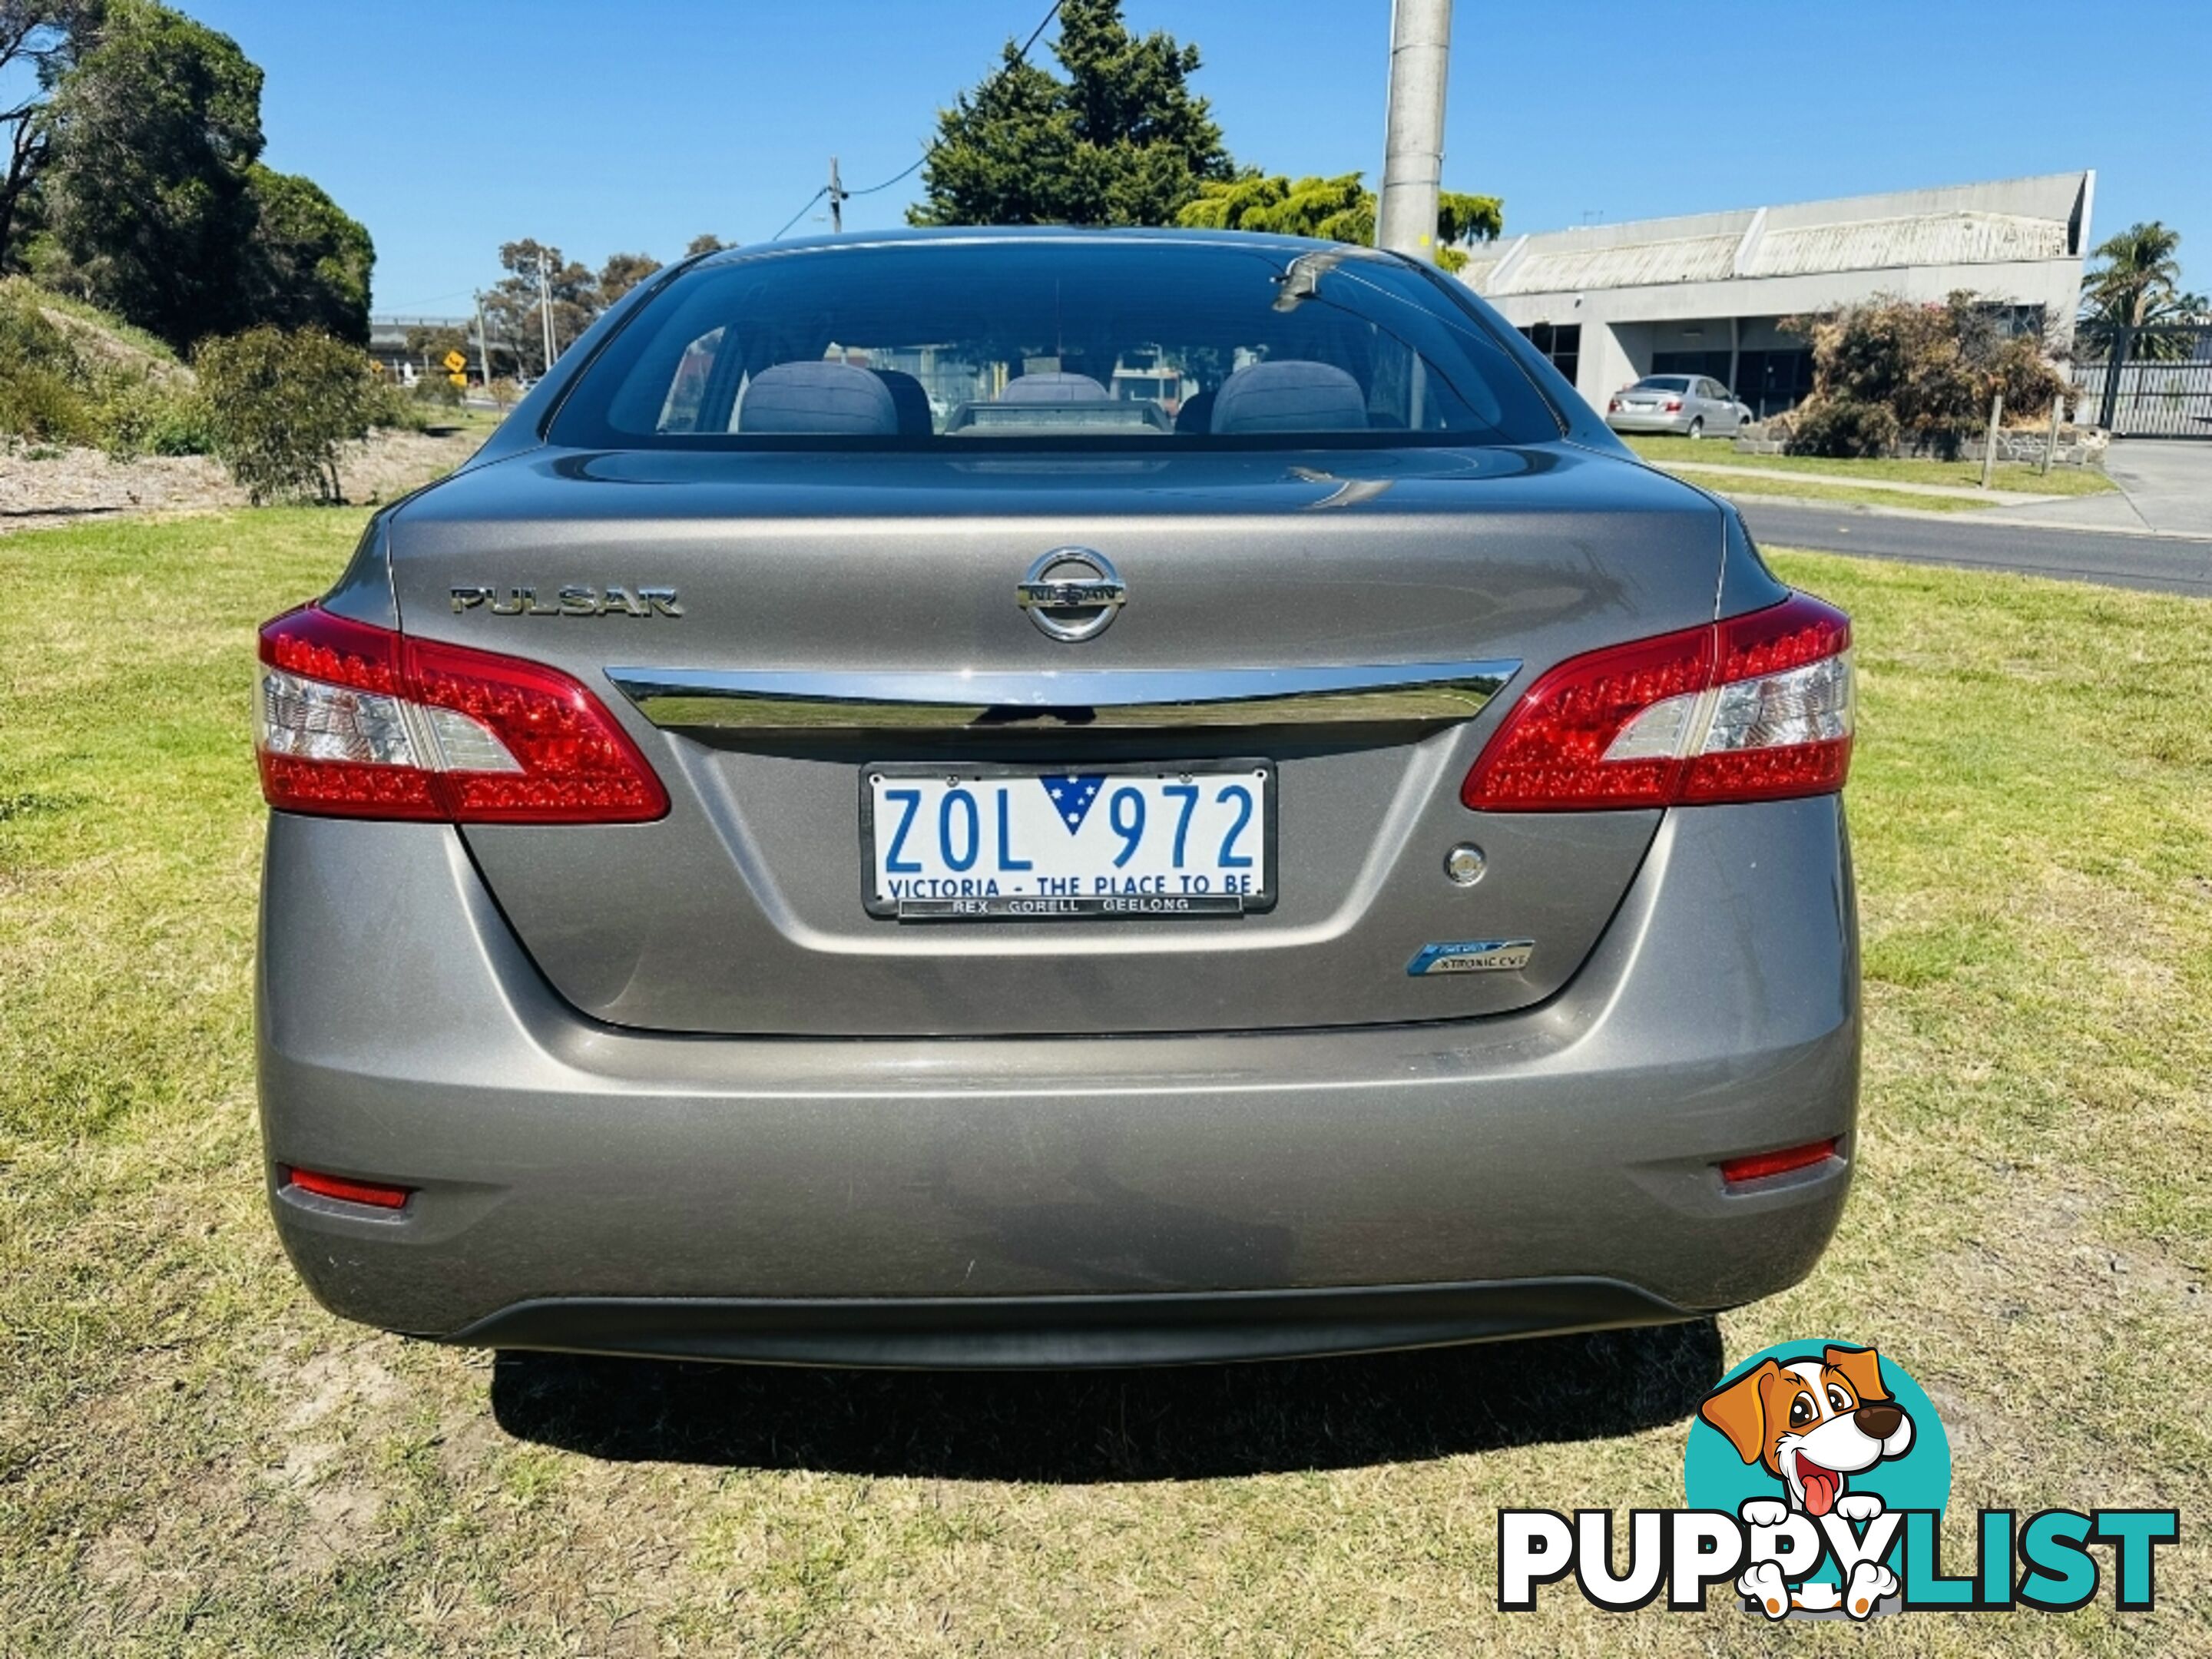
[1084, 341]
[1663, 383]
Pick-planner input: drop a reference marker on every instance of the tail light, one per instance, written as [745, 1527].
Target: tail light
[1673, 405]
[1613, 405]
[1757, 708]
[359, 721]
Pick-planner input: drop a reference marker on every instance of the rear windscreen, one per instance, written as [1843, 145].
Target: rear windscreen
[1081, 342]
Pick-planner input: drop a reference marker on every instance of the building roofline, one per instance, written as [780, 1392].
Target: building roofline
[2060, 195]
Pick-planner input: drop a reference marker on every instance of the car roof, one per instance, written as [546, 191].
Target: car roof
[967, 235]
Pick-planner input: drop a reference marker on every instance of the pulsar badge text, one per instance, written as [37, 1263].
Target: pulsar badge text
[573, 601]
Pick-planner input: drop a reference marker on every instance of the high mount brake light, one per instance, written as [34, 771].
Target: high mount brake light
[1757, 708]
[359, 721]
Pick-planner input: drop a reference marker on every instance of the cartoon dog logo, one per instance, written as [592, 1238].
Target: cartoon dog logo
[1814, 1424]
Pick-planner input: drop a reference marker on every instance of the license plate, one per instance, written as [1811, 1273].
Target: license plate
[969, 843]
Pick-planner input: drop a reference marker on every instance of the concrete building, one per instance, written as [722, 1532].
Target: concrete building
[1707, 294]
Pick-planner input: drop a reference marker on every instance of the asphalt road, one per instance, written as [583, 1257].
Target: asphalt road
[2166, 564]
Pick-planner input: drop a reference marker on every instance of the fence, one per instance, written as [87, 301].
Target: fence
[2146, 382]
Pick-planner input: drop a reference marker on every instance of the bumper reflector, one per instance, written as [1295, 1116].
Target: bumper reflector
[374, 1193]
[1759, 1166]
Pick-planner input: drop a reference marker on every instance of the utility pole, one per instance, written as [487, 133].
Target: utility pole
[1413, 140]
[837, 195]
[484, 353]
[545, 308]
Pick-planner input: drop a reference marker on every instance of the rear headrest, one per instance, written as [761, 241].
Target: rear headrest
[1289, 396]
[911, 401]
[818, 398]
[1196, 414]
[1053, 389]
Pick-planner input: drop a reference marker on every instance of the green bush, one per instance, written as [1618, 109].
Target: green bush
[152, 416]
[78, 381]
[280, 405]
[37, 403]
[41, 395]
[392, 406]
[28, 340]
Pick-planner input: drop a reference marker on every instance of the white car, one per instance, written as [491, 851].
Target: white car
[1686, 405]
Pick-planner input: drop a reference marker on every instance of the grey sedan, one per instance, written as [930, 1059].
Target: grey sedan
[1686, 405]
[1040, 798]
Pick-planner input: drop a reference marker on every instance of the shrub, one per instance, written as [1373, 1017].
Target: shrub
[35, 403]
[1843, 426]
[1931, 369]
[69, 373]
[40, 390]
[28, 340]
[2029, 379]
[280, 405]
[394, 407]
[146, 416]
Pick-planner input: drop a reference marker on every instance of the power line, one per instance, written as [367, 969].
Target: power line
[990, 87]
[414, 305]
[1020, 57]
[888, 183]
[801, 213]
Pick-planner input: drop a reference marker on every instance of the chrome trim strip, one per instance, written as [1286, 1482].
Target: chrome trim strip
[1397, 694]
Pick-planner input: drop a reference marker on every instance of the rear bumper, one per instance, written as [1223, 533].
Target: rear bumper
[1145, 1328]
[1676, 424]
[1055, 1201]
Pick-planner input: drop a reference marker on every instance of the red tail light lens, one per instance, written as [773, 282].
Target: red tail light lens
[1758, 708]
[1673, 405]
[359, 721]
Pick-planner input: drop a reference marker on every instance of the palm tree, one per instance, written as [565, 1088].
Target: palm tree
[2139, 288]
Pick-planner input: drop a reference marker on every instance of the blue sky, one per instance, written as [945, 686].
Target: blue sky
[449, 126]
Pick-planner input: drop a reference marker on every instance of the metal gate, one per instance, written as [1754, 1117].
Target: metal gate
[2146, 382]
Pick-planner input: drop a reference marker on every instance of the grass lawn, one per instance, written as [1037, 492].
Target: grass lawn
[1718, 452]
[194, 1460]
[1853, 494]
[477, 423]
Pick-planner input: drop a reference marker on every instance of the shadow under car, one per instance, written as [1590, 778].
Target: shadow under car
[1074, 1427]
